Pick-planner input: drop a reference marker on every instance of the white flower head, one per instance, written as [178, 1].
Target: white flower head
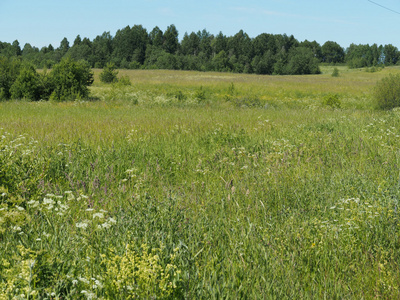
[82, 225]
[106, 225]
[98, 215]
[48, 201]
[33, 203]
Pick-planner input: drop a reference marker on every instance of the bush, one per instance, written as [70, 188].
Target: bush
[9, 70]
[200, 95]
[70, 80]
[387, 92]
[335, 72]
[124, 81]
[332, 100]
[27, 85]
[109, 74]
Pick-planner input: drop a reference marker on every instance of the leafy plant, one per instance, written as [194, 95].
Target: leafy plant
[9, 70]
[70, 80]
[332, 100]
[200, 95]
[387, 92]
[124, 81]
[109, 73]
[335, 72]
[28, 85]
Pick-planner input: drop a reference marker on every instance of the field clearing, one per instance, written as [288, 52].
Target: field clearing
[191, 185]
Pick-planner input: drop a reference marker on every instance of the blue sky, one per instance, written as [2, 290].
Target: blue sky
[44, 22]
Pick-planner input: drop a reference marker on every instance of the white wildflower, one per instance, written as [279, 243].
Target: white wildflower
[33, 203]
[48, 201]
[82, 225]
[106, 225]
[89, 295]
[19, 208]
[98, 215]
[63, 206]
[84, 280]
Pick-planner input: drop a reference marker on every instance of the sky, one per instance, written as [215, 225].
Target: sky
[44, 22]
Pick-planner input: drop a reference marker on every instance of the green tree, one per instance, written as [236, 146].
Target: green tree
[130, 41]
[219, 43]
[190, 44]
[264, 43]
[171, 42]
[109, 74]
[314, 46]
[70, 79]
[391, 54]
[16, 48]
[240, 44]
[332, 52]
[264, 64]
[81, 50]
[221, 62]
[64, 46]
[205, 43]
[387, 92]
[9, 70]
[27, 85]
[156, 37]
[102, 49]
[302, 61]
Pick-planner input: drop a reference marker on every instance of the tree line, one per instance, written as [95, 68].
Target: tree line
[135, 48]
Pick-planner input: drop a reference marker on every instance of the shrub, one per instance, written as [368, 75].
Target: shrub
[27, 85]
[200, 95]
[70, 80]
[9, 70]
[387, 92]
[109, 74]
[335, 72]
[332, 100]
[124, 80]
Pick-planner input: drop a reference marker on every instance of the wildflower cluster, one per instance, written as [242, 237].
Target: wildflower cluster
[141, 275]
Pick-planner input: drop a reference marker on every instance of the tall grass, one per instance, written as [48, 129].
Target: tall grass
[201, 199]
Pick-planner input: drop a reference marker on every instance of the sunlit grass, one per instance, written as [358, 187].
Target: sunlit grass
[275, 196]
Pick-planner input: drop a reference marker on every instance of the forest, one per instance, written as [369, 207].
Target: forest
[136, 48]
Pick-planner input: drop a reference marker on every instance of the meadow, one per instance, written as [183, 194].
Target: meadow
[194, 185]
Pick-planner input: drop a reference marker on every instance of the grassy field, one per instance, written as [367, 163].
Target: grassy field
[195, 185]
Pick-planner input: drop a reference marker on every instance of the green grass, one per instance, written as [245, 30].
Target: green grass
[258, 191]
